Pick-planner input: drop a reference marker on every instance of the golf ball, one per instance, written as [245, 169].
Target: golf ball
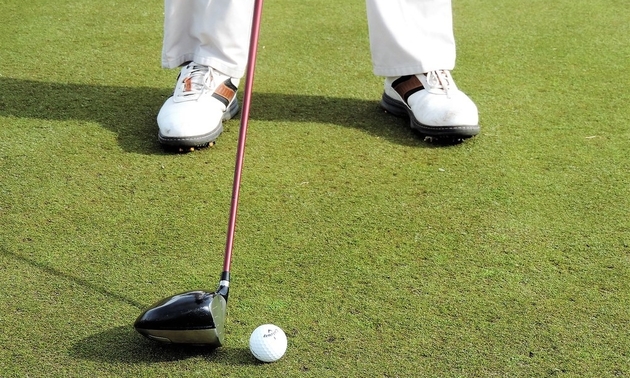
[268, 343]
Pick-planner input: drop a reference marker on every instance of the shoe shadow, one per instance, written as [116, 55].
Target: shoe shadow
[123, 345]
[127, 111]
[364, 115]
[130, 111]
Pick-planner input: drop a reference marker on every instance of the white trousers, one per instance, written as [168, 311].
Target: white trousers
[406, 36]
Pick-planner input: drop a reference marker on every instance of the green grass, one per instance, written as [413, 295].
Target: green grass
[380, 255]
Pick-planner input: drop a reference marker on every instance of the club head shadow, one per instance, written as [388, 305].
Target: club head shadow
[194, 318]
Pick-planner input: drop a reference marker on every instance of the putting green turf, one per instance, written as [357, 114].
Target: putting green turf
[380, 255]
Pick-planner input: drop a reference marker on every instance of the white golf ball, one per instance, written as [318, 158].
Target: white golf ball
[268, 343]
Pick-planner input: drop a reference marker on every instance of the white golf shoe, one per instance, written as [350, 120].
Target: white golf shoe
[194, 115]
[434, 105]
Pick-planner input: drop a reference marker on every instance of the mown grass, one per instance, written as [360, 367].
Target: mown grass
[380, 255]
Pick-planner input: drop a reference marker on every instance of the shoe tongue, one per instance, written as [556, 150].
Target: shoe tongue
[197, 77]
[439, 80]
[193, 84]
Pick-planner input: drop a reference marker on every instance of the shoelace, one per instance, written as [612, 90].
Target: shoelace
[440, 79]
[198, 80]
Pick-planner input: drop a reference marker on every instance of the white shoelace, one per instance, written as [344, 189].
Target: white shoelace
[440, 79]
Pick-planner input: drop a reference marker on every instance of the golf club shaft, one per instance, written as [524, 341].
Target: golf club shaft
[240, 148]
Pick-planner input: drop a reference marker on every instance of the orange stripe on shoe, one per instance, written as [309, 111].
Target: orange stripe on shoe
[225, 92]
[405, 86]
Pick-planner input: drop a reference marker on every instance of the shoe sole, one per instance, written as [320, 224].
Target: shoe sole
[189, 143]
[399, 109]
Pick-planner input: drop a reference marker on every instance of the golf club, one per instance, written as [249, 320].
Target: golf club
[198, 317]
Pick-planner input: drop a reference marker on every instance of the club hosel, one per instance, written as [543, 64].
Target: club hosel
[224, 285]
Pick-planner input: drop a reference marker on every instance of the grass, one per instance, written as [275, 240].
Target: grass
[380, 255]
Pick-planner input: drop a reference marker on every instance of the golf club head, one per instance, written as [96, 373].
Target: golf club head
[193, 317]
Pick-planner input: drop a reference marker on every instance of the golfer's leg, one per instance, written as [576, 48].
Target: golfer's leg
[410, 36]
[211, 37]
[413, 46]
[210, 32]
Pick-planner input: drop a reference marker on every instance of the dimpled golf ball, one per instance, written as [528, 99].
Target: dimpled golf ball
[268, 343]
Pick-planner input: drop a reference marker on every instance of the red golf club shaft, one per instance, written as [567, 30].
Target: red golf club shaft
[242, 136]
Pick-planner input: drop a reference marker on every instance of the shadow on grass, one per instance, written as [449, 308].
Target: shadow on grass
[125, 345]
[130, 111]
[53, 272]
